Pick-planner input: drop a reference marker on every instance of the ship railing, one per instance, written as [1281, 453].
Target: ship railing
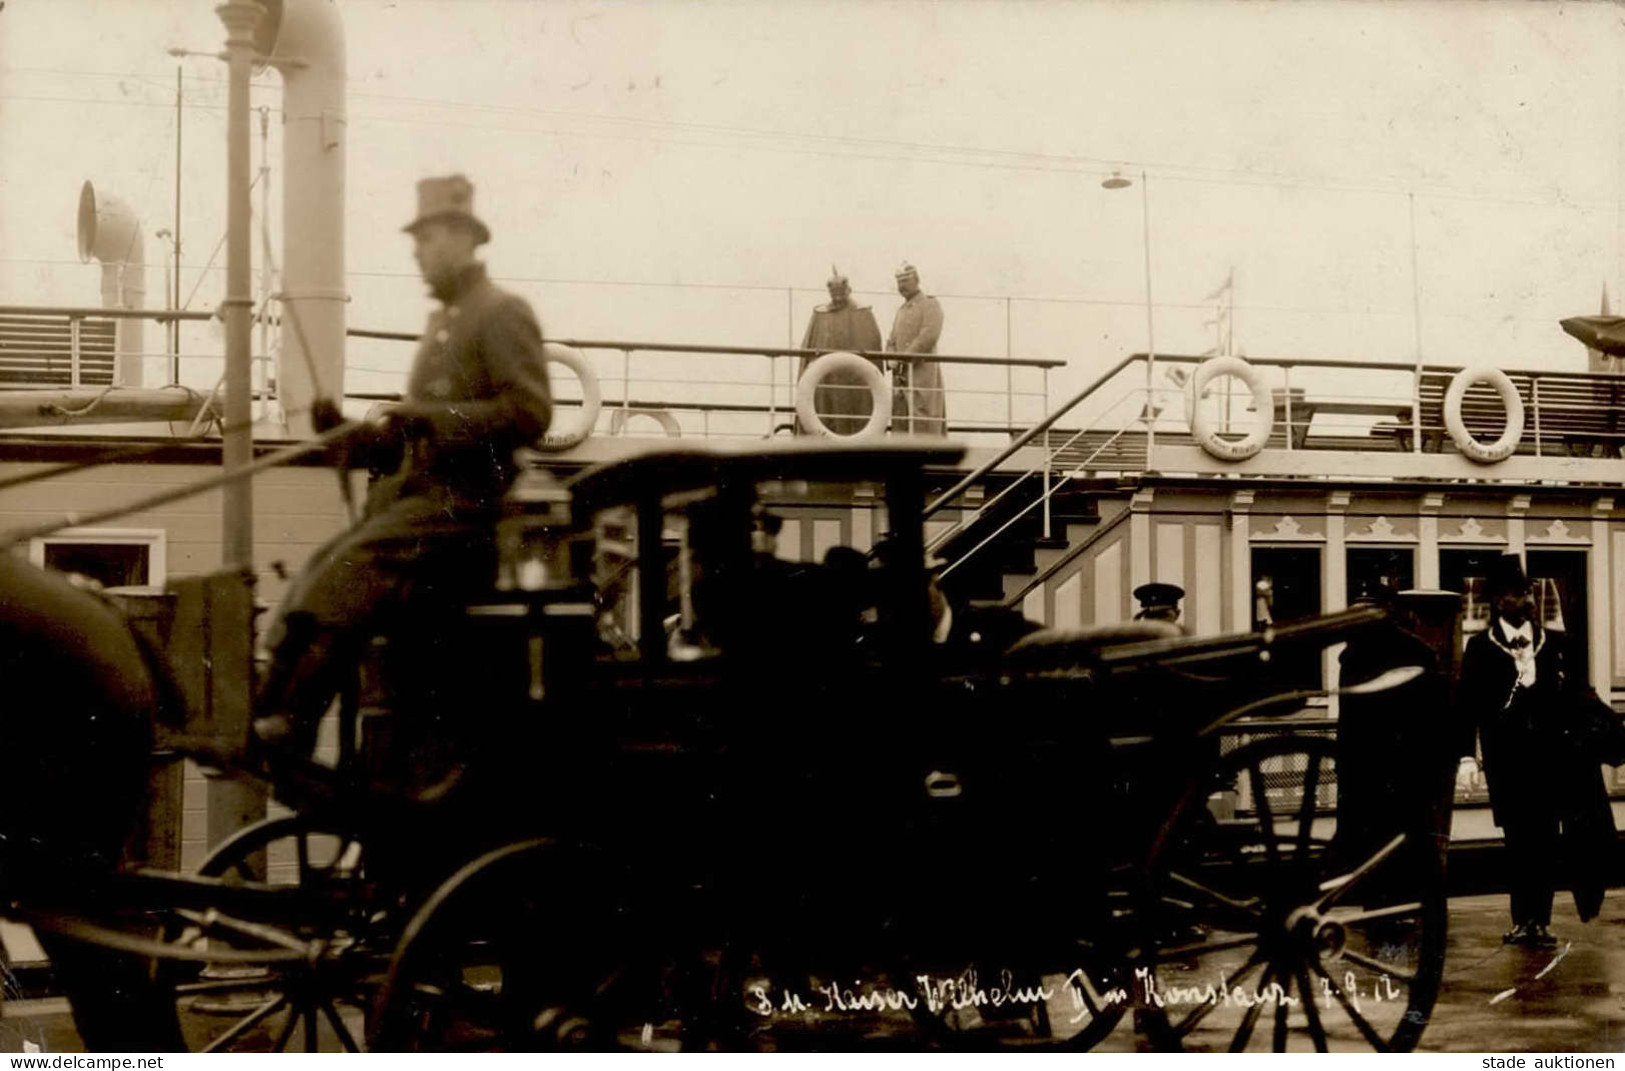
[1329, 404]
[750, 391]
[67, 347]
[702, 390]
[72, 358]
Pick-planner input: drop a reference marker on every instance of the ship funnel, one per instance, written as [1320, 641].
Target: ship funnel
[304, 39]
[110, 232]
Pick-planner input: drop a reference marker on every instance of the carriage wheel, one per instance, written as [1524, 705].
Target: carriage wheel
[314, 1007]
[514, 952]
[1273, 928]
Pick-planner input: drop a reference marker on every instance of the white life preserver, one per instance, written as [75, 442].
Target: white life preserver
[591, 399]
[620, 418]
[1202, 428]
[1500, 449]
[841, 361]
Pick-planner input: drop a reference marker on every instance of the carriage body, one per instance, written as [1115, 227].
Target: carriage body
[664, 755]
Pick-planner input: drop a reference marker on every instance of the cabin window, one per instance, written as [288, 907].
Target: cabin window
[1464, 570]
[1558, 578]
[1379, 572]
[117, 558]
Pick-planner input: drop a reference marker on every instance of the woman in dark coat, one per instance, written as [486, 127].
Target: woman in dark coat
[1522, 691]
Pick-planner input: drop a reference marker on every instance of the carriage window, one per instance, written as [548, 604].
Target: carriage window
[615, 579]
[618, 567]
[112, 557]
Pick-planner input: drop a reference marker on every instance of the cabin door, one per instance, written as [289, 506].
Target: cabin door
[1294, 577]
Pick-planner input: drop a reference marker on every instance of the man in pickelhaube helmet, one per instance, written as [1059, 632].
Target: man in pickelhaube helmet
[477, 391]
[842, 399]
[1521, 689]
[918, 404]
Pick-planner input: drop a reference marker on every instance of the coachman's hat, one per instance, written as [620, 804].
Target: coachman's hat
[904, 270]
[1507, 575]
[448, 199]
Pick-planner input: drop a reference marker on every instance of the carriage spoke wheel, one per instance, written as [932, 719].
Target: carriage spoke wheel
[514, 952]
[315, 1006]
[1269, 928]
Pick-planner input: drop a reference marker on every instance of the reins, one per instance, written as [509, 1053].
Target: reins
[110, 456]
[209, 483]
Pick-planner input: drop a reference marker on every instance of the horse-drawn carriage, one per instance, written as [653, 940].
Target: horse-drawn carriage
[660, 787]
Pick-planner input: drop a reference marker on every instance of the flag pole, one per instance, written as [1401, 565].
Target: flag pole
[1416, 327]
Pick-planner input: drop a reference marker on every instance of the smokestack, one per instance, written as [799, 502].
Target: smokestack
[305, 41]
[110, 232]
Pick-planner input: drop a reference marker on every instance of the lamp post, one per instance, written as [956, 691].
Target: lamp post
[1118, 181]
[171, 343]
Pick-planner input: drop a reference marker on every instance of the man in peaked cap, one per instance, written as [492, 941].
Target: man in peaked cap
[1519, 687]
[842, 399]
[1159, 602]
[477, 391]
[918, 404]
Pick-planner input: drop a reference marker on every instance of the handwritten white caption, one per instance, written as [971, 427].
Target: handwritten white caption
[1087, 998]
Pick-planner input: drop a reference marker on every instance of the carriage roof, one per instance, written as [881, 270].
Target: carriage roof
[668, 470]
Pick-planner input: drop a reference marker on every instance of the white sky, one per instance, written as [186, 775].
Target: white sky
[738, 149]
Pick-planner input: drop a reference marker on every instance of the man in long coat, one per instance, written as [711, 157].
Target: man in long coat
[842, 399]
[1520, 690]
[477, 391]
[918, 404]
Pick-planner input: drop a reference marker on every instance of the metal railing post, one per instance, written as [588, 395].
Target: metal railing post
[772, 393]
[1009, 377]
[626, 381]
[1534, 401]
[73, 351]
[1286, 380]
[1048, 457]
[1416, 411]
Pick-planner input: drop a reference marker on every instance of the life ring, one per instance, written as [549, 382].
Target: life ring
[591, 398]
[620, 418]
[1206, 435]
[841, 361]
[1500, 449]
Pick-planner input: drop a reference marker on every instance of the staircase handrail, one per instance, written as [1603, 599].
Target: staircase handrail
[1044, 497]
[1049, 492]
[1025, 437]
